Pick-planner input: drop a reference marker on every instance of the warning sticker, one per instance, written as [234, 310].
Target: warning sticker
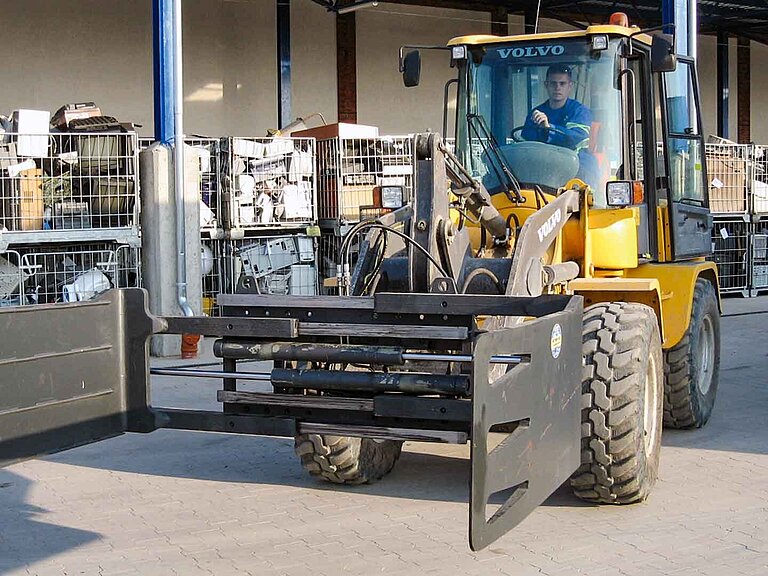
[556, 340]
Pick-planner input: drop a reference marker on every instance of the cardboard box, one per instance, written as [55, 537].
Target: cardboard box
[759, 197]
[354, 197]
[32, 127]
[339, 130]
[727, 183]
[31, 200]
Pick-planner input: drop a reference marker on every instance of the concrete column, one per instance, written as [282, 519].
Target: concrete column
[158, 231]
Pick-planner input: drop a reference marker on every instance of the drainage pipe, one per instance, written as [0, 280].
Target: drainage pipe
[178, 163]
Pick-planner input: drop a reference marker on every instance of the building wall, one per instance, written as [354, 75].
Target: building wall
[313, 51]
[101, 50]
[707, 70]
[74, 51]
[759, 90]
[382, 99]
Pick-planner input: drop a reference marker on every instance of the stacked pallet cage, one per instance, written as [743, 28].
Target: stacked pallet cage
[731, 253]
[267, 205]
[738, 197]
[212, 221]
[69, 207]
[758, 195]
[358, 179]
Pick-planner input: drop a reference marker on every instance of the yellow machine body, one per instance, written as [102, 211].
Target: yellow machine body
[605, 244]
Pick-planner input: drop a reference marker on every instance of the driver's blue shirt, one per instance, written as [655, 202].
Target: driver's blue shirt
[573, 121]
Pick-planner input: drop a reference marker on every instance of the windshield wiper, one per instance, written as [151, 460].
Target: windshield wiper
[499, 164]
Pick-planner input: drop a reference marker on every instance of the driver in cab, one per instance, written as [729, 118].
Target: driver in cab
[561, 120]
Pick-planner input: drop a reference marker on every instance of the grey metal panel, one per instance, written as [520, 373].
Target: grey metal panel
[311, 302]
[691, 231]
[466, 304]
[219, 422]
[235, 326]
[64, 370]
[515, 468]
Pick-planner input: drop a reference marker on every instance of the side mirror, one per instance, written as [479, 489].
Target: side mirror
[663, 57]
[411, 68]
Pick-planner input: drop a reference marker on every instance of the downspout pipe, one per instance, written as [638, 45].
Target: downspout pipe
[178, 164]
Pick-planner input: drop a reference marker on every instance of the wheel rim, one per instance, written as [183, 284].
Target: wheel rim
[651, 412]
[706, 355]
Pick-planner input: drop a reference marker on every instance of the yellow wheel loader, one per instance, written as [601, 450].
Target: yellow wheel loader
[543, 297]
[616, 178]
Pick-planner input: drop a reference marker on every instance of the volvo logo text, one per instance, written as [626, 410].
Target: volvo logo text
[532, 51]
[548, 226]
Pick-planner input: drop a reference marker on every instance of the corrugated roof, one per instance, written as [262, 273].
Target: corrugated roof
[747, 18]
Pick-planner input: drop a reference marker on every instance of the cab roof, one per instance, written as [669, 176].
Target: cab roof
[611, 30]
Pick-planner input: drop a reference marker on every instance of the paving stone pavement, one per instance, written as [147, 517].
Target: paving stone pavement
[189, 503]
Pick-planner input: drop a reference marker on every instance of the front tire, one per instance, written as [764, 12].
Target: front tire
[347, 460]
[692, 367]
[622, 404]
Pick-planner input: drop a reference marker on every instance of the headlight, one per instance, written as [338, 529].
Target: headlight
[599, 42]
[625, 193]
[618, 193]
[392, 197]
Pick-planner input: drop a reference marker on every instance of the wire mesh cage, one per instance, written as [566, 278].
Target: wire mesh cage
[70, 273]
[758, 179]
[269, 182]
[357, 175]
[211, 207]
[727, 172]
[279, 264]
[759, 260]
[730, 250]
[213, 267]
[68, 182]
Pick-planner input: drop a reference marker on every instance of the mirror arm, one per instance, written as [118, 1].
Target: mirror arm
[401, 65]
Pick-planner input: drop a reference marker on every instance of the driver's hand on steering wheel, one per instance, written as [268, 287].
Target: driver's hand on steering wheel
[540, 119]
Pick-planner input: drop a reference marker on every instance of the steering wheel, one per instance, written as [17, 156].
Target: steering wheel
[517, 137]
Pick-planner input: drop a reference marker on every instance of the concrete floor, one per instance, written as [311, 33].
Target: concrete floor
[190, 503]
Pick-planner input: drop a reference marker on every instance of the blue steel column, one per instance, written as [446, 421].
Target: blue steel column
[681, 13]
[162, 32]
[284, 116]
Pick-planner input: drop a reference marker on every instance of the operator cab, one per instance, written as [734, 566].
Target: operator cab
[505, 82]
[632, 132]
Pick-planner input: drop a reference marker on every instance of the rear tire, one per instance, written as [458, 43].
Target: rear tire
[692, 366]
[622, 404]
[347, 460]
